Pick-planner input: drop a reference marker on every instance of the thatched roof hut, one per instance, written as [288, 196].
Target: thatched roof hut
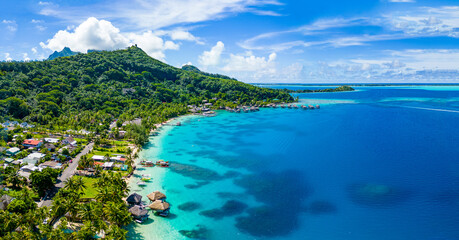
[159, 205]
[157, 195]
[134, 199]
[138, 211]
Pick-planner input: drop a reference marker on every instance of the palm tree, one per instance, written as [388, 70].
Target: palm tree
[116, 233]
[15, 180]
[117, 214]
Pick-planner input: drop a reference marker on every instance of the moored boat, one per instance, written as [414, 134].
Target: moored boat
[142, 184]
[162, 163]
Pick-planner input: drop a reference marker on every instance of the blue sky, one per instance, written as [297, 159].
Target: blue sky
[384, 41]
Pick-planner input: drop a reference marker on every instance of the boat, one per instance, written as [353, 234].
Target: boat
[146, 177]
[162, 163]
[146, 163]
[142, 184]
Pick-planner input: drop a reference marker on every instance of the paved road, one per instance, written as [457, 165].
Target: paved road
[66, 174]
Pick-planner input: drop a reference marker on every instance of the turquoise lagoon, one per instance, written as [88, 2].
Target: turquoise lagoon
[380, 163]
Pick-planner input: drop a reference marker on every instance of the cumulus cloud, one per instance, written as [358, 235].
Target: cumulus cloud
[11, 25]
[102, 35]
[251, 63]
[8, 57]
[25, 56]
[34, 50]
[212, 57]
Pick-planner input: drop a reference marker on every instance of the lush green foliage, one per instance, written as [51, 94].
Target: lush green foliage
[44, 180]
[91, 90]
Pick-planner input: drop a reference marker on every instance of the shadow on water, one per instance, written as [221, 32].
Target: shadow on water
[282, 193]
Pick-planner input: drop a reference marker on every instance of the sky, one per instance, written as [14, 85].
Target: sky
[255, 41]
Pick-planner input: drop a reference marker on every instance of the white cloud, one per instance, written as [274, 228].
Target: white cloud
[25, 56]
[212, 57]
[34, 50]
[188, 63]
[251, 63]
[11, 25]
[410, 23]
[102, 35]
[156, 14]
[179, 34]
[38, 24]
[8, 57]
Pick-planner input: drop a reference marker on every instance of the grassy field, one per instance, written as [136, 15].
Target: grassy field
[90, 191]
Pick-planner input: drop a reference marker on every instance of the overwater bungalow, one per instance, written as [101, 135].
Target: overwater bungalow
[282, 106]
[178, 124]
[156, 195]
[311, 107]
[318, 106]
[139, 213]
[290, 106]
[134, 199]
[161, 207]
[295, 106]
[304, 107]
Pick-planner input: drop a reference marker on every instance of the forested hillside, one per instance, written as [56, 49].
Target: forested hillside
[91, 90]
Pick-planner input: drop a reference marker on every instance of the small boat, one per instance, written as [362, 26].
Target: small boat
[147, 163]
[142, 184]
[162, 163]
[146, 177]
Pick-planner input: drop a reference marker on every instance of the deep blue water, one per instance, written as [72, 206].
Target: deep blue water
[379, 163]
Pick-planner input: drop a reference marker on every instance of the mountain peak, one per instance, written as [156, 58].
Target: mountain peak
[66, 51]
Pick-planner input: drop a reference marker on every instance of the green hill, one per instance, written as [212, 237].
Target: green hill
[91, 90]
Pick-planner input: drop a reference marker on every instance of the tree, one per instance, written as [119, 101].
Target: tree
[43, 180]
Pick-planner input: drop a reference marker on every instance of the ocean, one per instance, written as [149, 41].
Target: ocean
[379, 163]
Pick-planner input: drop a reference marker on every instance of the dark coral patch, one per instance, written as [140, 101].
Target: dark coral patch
[230, 208]
[194, 172]
[198, 233]
[189, 206]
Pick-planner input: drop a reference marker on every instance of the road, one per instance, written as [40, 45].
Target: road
[66, 174]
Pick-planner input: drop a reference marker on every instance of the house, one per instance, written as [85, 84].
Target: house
[118, 159]
[30, 168]
[52, 140]
[98, 158]
[12, 151]
[50, 147]
[107, 165]
[26, 125]
[32, 143]
[51, 164]
[9, 160]
[33, 158]
[69, 141]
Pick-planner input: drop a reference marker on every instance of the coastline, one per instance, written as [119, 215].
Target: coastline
[152, 151]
